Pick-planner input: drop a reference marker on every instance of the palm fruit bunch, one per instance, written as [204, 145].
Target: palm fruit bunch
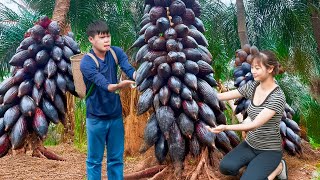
[34, 94]
[175, 77]
[289, 129]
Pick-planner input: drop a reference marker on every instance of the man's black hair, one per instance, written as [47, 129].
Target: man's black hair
[97, 27]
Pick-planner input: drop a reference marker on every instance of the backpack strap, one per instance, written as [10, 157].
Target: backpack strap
[114, 56]
[116, 61]
[97, 63]
[92, 84]
[94, 58]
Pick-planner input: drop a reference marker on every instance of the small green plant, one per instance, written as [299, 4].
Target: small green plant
[80, 136]
[54, 135]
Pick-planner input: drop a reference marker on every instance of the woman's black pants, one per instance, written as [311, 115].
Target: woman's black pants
[260, 163]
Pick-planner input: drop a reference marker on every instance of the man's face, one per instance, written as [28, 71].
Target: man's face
[101, 42]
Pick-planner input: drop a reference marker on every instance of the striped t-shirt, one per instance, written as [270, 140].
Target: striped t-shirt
[266, 137]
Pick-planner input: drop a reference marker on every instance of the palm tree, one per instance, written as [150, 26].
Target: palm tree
[286, 28]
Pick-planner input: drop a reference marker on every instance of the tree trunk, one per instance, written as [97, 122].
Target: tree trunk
[315, 21]
[60, 13]
[241, 19]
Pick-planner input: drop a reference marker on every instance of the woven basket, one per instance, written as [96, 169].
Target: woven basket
[77, 75]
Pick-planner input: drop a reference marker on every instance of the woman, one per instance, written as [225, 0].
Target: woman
[261, 151]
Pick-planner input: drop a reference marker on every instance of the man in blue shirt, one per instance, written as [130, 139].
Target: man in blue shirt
[104, 111]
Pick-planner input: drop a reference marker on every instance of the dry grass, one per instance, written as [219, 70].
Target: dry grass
[134, 125]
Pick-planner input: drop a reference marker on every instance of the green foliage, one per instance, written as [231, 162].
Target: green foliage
[221, 32]
[80, 136]
[13, 25]
[54, 134]
[306, 108]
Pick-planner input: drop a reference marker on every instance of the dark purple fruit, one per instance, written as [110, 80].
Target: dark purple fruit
[19, 133]
[5, 145]
[59, 103]
[37, 32]
[37, 94]
[177, 8]
[161, 149]
[62, 65]
[207, 115]
[10, 117]
[25, 88]
[50, 69]
[182, 30]
[61, 82]
[48, 41]
[50, 111]
[33, 49]
[19, 58]
[188, 17]
[145, 101]
[56, 53]
[170, 34]
[192, 54]
[177, 69]
[151, 131]
[50, 88]
[164, 70]
[165, 118]
[222, 141]
[42, 58]
[54, 28]
[191, 67]
[6, 85]
[67, 53]
[40, 124]
[209, 94]
[11, 95]
[204, 135]
[30, 66]
[26, 43]
[163, 24]
[27, 106]
[195, 148]
[185, 125]
[157, 12]
[191, 109]
[72, 44]
[39, 78]
[164, 95]
[191, 81]
[233, 137]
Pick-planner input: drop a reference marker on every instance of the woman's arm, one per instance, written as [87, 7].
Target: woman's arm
[234, 94]
[264, 116]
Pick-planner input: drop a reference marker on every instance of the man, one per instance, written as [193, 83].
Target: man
[104, 111]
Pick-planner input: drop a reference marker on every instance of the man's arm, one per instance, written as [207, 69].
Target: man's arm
[89, 70]
[124, 64]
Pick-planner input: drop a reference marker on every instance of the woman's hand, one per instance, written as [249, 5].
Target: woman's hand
[217, 129]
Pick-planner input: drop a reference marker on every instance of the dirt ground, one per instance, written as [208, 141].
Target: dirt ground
[23, 166]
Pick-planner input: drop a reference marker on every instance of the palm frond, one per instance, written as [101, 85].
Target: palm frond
[13, 33]
[43, 7]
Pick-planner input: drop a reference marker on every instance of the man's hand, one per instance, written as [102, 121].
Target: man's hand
[122, 84]
[125, 83]
[217, 129]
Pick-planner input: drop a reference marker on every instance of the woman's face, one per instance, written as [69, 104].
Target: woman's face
[259, 71]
